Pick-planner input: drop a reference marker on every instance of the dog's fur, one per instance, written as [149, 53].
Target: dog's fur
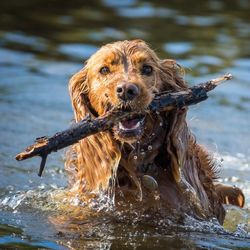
[182, 173]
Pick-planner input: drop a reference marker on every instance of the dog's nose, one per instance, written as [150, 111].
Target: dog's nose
[127, 91]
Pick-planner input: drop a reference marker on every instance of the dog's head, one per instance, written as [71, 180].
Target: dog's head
[127, 75]
[124, 74]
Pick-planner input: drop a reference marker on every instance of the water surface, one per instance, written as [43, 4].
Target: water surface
[42, 43]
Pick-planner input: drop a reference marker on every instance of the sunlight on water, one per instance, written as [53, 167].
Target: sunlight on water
[42, 45]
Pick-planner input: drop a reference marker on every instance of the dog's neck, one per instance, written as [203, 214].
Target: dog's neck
[140, 155]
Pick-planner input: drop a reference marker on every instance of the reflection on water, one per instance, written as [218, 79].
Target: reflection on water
[42, 43]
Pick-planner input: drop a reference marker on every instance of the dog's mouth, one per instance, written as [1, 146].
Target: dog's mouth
[131, 128]
[130, 124]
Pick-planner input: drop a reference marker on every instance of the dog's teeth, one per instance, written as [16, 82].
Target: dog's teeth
[137, 125]
[142, 120]
[121, 126]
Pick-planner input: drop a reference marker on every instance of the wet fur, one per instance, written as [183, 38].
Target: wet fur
[184, 170]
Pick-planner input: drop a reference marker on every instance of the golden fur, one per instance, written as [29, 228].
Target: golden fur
[166, 150]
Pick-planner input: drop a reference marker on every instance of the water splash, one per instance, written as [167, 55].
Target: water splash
[97, 221]
[13, 201]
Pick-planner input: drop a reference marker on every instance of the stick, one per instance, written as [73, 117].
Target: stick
[88, 126]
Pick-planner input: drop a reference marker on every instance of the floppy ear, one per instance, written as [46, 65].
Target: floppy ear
[177, 141]
[78, 86]
[177, 138]
[93, 161]
[189, 162]
[172, 75]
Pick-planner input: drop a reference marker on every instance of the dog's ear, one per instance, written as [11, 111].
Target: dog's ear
[93, 161]
[172, 74]
[78, 86]
[177, 137]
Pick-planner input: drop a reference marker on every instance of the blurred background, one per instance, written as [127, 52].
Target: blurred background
[44, 42]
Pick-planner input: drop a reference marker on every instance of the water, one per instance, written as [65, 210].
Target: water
[42, 43]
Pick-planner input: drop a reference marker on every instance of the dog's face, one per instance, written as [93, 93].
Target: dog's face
[125, 75]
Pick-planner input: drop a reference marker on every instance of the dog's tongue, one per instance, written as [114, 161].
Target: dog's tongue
[129, 124]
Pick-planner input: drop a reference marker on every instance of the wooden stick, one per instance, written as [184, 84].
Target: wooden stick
[88, 126]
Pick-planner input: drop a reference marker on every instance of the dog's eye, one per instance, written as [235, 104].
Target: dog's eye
[104, 70]
[147, 70]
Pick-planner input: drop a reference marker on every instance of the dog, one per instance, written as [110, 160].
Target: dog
[150, 158]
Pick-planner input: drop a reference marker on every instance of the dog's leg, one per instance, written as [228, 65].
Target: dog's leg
[230, 194]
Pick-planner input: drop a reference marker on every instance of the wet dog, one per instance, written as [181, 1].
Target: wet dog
[151, 156]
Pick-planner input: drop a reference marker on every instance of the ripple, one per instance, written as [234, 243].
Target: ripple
[178, 47]
[36, 43]
[77, 50]
[115, 3]
[145, 11]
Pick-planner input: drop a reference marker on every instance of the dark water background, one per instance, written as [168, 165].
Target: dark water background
[43, 42]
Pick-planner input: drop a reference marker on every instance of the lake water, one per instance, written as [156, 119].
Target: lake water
[42, 43]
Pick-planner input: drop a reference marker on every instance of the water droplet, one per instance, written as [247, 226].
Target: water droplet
[135, 157]
[149, 182]
[161, 124]
[153, 134]
[150, 147]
